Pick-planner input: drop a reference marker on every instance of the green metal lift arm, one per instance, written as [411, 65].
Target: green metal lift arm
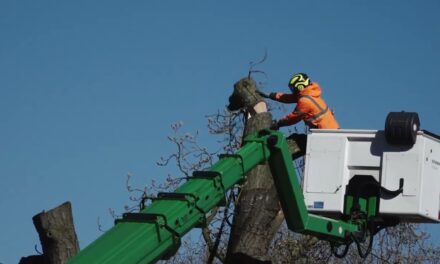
[155, 232]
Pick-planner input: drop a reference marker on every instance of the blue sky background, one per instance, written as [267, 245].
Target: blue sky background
[88, 90]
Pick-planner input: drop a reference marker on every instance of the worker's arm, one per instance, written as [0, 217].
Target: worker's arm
[297, 115]
[290, 119]
[285, 98]
[280, 97]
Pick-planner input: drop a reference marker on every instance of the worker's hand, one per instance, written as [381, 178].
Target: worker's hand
[274, 125]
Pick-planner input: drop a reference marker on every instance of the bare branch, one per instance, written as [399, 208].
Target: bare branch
[253, 64]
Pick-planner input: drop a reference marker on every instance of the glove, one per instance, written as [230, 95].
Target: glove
[274, 125]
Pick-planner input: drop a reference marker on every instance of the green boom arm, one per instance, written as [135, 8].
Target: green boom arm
[155, 232]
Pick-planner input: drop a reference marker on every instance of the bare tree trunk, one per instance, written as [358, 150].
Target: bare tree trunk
[258, 214]
[57, 235]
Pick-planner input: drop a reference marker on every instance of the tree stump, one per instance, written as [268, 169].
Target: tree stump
[57, 235]
[258, 214]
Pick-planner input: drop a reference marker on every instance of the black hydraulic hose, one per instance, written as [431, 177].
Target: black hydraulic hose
[344, 253]
[358, 245]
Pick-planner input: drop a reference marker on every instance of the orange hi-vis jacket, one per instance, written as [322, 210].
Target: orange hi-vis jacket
[310, 107]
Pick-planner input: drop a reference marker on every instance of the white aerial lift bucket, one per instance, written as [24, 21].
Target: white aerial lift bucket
[402, 160]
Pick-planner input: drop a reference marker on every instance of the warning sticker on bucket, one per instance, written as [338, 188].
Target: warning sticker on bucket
[318, 205]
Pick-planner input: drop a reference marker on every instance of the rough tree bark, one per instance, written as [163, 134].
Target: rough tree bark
[258, 214]
[57, 235]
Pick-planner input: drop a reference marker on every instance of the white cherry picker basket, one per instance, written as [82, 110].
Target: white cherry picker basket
[403, 160]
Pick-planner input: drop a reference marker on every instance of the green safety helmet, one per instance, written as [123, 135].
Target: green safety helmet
[298, 82]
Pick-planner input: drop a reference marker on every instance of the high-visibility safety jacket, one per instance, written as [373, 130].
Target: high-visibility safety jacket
[310, 108]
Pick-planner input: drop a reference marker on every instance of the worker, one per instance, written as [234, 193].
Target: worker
[310, 107]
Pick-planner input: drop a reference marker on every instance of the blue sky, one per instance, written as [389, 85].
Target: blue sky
[88, 90]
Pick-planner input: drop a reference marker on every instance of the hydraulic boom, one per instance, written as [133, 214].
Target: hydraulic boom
[155, 232]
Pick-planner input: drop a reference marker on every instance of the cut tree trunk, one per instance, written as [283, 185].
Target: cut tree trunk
[258, 214]
[57, 235]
